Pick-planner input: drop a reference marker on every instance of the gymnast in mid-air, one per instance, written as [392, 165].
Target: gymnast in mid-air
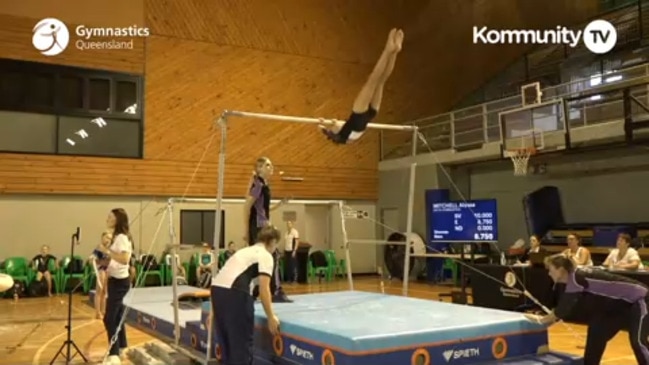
[368, 101]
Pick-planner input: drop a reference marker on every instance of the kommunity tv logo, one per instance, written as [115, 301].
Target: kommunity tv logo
[599, 36]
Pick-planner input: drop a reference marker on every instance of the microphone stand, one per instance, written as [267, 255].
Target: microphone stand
[68, 344]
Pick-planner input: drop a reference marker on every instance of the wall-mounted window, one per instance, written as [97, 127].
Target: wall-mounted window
[65, 110]
[197, 226]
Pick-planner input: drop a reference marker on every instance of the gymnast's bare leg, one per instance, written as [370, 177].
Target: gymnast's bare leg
[368, 101]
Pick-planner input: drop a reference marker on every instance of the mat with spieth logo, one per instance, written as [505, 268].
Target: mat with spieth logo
[344, 328]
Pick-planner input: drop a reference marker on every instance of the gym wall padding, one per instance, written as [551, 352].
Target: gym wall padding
[543, 210]
[38, 220]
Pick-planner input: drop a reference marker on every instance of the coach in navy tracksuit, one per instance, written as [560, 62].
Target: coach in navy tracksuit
[257, 215]
[610, 302]
[232, 302]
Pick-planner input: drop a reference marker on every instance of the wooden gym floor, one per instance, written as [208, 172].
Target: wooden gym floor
[32, 330]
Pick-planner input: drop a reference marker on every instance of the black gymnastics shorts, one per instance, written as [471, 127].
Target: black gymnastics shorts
[357, 122]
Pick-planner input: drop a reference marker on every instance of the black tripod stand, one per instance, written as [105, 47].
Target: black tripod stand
[68, 344]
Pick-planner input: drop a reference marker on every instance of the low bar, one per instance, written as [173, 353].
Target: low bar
[287, 118]
[375, 242]
[235, 201]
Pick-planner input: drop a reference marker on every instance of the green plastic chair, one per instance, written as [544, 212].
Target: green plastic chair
[64, 277]
[281, 265]
[323, 271]
[144, 273]
[54, 271]
[337, 267]
[450, 265]
[190, 268]
[90, 277]
[18, 269]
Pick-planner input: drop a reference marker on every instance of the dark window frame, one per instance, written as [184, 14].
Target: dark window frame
[202, 213]
[57, 109]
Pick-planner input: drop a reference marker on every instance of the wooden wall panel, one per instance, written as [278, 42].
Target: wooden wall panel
[292, 57]
[331, 29]
[209, 78]
[101, 176]
[113, 13]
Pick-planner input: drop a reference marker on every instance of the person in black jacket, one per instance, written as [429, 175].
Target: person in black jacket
[609, 302]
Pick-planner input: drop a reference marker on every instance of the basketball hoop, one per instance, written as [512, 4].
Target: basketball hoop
[520, 158]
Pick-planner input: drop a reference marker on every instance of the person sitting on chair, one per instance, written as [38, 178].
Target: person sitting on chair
[579, 255]
[623, 257]
[229, 252]
[41, 263]
[535, 247]
[205, 261]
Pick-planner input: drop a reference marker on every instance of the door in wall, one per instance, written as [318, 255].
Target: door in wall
[390, 223]
[316, 227]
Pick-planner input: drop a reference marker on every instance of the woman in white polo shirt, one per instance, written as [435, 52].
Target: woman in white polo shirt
[623, 257]
[291, 243]
[118, 256]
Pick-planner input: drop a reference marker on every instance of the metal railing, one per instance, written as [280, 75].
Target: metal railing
[474, 126]
[608, 106]
[546, 62]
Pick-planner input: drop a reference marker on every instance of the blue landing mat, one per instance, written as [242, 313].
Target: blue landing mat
[368, 328]
[359, 321]
[357, 328]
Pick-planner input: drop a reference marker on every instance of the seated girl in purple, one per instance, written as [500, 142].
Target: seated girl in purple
[610, 303]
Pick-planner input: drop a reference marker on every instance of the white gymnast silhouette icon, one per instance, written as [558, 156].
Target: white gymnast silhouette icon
[51, 37]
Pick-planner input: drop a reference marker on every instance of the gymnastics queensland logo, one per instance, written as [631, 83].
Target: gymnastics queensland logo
[50, 37]
[510, 279]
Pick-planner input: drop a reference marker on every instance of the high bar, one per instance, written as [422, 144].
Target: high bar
[288, 118]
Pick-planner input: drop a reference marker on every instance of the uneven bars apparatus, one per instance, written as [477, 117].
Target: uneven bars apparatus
[222, 122]
[174, 247]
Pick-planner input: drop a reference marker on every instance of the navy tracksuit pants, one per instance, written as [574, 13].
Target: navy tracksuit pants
[234, 319]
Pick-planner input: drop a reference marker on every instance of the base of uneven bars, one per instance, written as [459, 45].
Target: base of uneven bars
[183, 247]
[457, 297]
[375, 242]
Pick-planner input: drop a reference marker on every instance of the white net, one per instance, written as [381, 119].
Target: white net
[520, 158]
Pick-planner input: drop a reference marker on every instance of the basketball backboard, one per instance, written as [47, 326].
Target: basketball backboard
[540, 126]
[531, 94]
